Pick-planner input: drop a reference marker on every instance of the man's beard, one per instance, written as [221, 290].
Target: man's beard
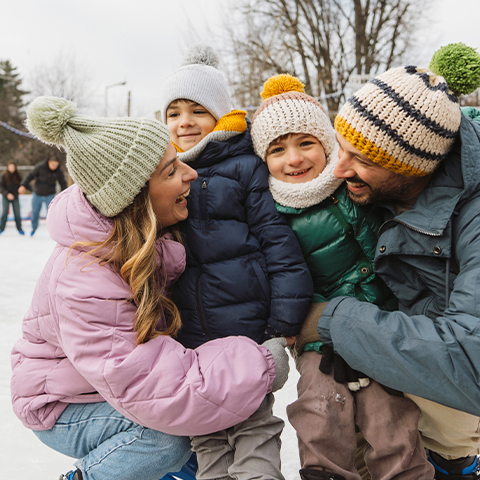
[394, 188]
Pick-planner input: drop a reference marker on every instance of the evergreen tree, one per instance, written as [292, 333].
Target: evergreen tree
[11, 104]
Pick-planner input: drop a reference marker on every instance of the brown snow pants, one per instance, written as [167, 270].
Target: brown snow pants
[326, 416]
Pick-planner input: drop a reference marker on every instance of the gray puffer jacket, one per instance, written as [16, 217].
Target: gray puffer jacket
[429, 256]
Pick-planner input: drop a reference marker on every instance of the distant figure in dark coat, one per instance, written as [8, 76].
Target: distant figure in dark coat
[46, 176]
[9, 183]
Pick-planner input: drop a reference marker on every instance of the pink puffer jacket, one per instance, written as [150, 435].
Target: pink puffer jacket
[78, 345]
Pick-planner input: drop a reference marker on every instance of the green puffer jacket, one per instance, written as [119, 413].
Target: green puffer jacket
[338, 241]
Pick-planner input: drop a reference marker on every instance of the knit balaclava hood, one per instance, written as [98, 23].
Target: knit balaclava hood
[198, 80]
[285, 109]
[110, 159]
[408, 118]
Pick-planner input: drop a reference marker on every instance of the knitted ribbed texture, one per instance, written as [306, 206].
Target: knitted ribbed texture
[290, 112]
[110, 159]
[406, 120]
[233, 121]
[199, 82]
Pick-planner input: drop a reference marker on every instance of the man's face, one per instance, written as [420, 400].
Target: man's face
[369, 182]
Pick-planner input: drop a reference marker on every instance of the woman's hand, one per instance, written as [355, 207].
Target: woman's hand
[10, 196]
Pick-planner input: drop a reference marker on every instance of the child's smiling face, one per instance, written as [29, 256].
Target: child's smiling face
[188, 123]
[296, 158]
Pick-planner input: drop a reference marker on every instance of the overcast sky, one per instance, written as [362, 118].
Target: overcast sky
[141, 41]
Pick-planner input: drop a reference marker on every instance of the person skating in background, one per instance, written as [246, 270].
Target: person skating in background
[9, 184]
[245, 273]
[46, 175]
[407, 149]
[293, 134]
[96, 374]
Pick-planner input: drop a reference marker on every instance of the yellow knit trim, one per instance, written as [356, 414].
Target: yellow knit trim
[233, 121]
[374, 153]
[177, 148]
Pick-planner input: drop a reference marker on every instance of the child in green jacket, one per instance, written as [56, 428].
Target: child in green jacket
[293, 134]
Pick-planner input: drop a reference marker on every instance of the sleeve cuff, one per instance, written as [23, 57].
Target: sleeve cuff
[325, 320]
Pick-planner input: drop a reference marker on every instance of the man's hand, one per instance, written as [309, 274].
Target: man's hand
[21, 189]
[342, 372]
[308, 332]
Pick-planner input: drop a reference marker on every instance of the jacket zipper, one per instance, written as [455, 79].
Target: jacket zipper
[424, 232]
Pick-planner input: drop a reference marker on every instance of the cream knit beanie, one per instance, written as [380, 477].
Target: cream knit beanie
[408, 118]
[287, 109]
[197, 80]
[110, 159]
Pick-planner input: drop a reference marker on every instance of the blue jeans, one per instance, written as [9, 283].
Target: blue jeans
[16, 212]
[108, 445]
[37, 201]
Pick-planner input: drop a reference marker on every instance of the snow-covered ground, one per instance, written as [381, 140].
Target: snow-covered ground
[22, 456]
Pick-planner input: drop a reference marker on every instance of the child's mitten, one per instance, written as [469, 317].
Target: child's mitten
[277, 349]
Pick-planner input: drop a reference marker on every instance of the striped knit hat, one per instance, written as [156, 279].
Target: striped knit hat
[408, 118]
[110, 159]
[197, 80]
[286, 108]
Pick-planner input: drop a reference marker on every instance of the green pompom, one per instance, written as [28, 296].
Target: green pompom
[459, 65]
[47, 118]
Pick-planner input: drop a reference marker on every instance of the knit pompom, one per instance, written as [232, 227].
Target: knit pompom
[459, 65]
[282, 84]
[201, 53]
[47, 118]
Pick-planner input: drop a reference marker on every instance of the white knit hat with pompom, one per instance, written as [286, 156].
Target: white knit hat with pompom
[197, 80]
[110, 159]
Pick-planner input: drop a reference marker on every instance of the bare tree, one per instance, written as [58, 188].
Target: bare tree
[472, 100]
[322, 42]
[62, 77]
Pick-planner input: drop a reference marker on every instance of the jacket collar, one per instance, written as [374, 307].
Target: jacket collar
[456, 179]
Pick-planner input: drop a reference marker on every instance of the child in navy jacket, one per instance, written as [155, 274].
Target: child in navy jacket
[245, 272]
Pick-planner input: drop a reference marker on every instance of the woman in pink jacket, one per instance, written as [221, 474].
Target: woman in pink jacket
[96, 374]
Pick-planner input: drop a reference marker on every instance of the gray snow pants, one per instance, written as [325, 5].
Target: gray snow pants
[247, 451]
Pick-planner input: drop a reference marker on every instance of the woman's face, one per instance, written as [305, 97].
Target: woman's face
[11, 167]
[169, 187]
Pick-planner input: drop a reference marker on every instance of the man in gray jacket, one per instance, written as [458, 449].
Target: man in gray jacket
[406, 148]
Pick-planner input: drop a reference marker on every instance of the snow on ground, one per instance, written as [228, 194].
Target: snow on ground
[22, 455]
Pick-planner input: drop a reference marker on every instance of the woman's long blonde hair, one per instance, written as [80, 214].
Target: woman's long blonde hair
[131, 250]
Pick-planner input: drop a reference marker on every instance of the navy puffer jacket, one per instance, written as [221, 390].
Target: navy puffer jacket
[245, 270]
